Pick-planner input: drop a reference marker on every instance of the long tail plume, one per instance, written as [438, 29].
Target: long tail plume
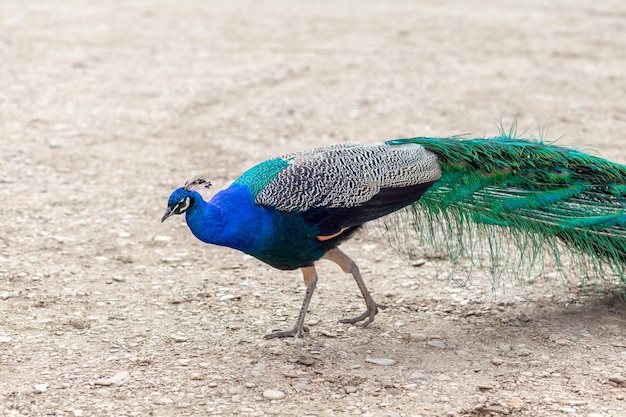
[532, 194]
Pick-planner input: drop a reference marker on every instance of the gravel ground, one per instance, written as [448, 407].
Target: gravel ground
[106, 107]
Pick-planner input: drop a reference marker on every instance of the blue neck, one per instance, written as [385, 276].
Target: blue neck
[231, 218]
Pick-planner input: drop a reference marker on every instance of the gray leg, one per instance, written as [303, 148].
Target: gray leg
[310, 280]
[348, 266]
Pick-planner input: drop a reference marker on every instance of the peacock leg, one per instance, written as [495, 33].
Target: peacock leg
[310, 280]
[349, 266]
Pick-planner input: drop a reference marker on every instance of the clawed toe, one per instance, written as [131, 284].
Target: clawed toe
[368, 315]
[295, 332]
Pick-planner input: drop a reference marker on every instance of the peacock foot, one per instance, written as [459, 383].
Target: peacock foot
[296, 332]
[368, 315]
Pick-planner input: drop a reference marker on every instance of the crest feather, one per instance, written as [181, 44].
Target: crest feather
[197, 184]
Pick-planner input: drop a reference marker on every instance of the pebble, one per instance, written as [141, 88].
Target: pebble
[350, 390]
[417, 376]
[273, 394]
[436, 344]
[162, 238]
[103, 382]
[120, 378]
[381, 361]
[418, 337]
[41, 388]
[5, 339]
[171, 260]
[515, 402]
[496, 409]
[497, 361]
[179, 338]
[5, 295]
[303, 386]
[523, 317]
[618, 379]
[227, 297]
[418, 262]
[618, 344]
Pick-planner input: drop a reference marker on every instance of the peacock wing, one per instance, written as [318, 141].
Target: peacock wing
[342, 186]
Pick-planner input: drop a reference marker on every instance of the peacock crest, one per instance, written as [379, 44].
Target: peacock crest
[197, 184]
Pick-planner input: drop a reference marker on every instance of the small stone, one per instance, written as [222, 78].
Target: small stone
[179, 338]
[302, 386]
[515, 402]
[618, 379]
[313, 322]
[5, 339]
[350, 390]
[418, 262]
[171, 260]
[103, 382]
[523, 317]
[162, 239]
[381, 361]
[618, 344]
[568, 410]
[417, 376]
[120, 378]
[227, 297]
[273, 394]
[496, 409]
[497, 361]
[485, 387]
[436, 344]
[418, 337]
[41, 388]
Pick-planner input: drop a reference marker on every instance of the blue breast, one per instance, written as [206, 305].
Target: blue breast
[231, 218]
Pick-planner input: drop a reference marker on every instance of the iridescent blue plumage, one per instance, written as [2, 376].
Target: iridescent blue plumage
[293, 210]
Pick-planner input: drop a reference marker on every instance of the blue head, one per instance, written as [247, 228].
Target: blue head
[183, 198]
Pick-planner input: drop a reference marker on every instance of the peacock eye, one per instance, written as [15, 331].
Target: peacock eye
[184, 204]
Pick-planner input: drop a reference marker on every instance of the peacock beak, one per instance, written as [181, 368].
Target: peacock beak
[168, 213]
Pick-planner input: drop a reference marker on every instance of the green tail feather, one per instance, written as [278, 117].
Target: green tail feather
[535, 195]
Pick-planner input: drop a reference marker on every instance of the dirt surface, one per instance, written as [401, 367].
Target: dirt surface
[106, 107]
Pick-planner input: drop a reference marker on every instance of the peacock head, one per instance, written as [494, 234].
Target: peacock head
[183, 198]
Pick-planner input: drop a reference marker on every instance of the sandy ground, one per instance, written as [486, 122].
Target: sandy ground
[106, 107]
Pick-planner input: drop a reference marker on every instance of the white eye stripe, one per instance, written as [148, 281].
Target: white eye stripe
[184, 204]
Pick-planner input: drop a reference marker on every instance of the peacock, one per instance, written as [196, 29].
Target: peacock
[295, 209]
